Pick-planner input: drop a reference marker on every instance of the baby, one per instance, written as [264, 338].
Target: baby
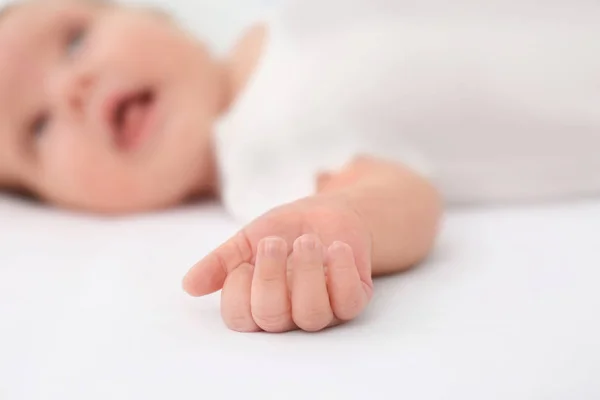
[335, 133]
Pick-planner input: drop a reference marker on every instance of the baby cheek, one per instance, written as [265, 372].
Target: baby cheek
[93, 178]
[74, 170]
[127, 41]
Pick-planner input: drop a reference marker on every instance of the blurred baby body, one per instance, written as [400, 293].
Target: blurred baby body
[491, 107]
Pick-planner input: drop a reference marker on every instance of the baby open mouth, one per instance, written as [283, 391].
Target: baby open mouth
[129, 118]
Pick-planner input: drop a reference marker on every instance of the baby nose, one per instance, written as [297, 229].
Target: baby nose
[72, 91]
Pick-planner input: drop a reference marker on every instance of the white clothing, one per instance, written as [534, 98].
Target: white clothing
[497, 104]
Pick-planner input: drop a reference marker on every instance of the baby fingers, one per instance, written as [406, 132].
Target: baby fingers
[311, 310]
[270, 300]
[263, 296]
[347, 293]
[235, 300]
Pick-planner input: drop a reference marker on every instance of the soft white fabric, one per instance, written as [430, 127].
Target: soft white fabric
[92, 309]
[493, 104]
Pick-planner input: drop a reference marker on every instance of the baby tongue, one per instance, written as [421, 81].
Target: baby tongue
[132, 124]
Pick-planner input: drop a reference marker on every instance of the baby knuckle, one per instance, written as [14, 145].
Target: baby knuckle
[305, 268]
[271, 321]
[343, 267]
[271, 278]
[313, 320]
[239, 322]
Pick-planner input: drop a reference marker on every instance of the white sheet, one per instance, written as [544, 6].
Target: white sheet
[92, 309]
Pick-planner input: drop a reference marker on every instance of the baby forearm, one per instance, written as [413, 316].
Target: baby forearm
[401, 209]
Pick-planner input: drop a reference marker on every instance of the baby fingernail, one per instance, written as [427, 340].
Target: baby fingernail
[307, 243]
[338, 248]
[340, 251]
[273, 247]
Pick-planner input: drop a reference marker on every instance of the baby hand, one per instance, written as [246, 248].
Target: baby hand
[305, 265]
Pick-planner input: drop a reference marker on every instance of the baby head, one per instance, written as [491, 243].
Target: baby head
[103, 107]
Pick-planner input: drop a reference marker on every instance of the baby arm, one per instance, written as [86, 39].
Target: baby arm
[401, 209]
[309, 264]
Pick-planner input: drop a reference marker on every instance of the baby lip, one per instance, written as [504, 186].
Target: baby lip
[113, 111]
[117, 108]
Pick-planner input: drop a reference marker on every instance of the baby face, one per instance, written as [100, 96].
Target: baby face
[104, 108]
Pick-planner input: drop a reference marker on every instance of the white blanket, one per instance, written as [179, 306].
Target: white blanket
[92, 309]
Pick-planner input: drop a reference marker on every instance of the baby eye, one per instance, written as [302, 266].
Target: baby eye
[75, 40]
[39, 125]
